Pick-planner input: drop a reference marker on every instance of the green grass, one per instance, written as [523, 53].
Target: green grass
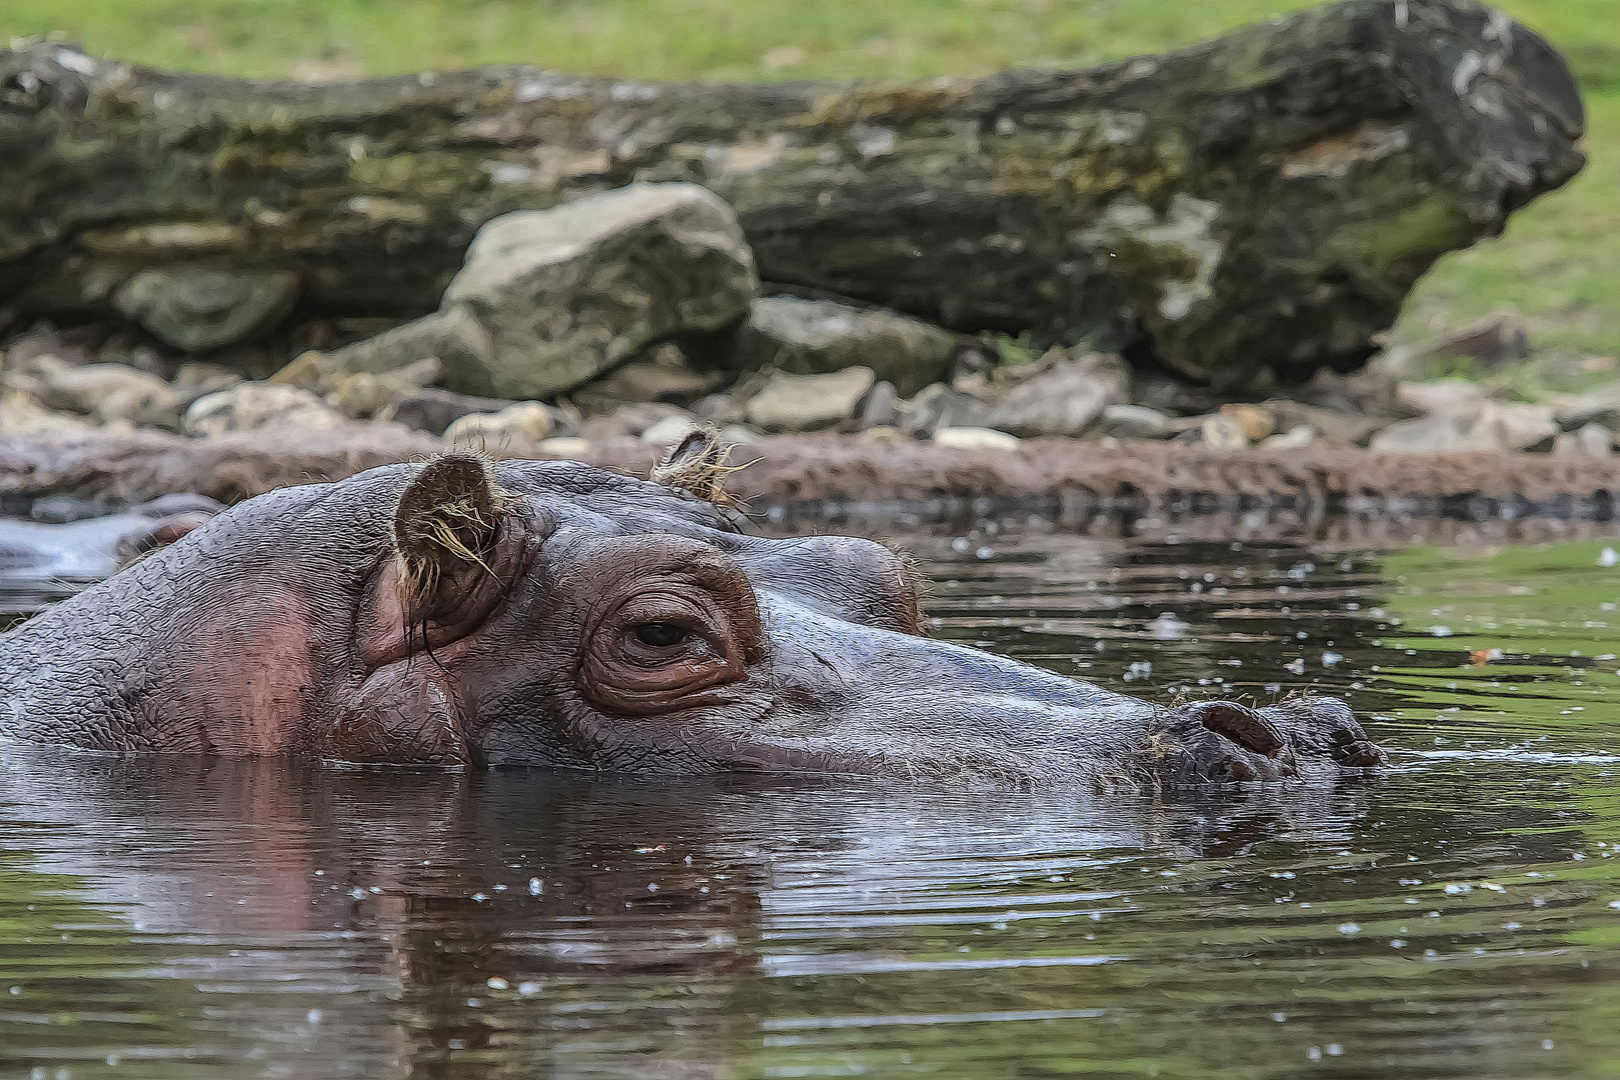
[1558, 264]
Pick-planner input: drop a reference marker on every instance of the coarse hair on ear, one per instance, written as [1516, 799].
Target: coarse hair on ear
[447, 522]
[697, 465]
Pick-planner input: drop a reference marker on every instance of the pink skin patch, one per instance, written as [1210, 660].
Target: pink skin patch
[253, 676]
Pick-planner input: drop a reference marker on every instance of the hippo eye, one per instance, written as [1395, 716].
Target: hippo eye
[659, 635]
[671, 626]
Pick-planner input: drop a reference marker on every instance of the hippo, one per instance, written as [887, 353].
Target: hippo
[464, 613]
[83, 551]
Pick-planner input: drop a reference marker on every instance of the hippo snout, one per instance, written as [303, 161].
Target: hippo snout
[871, 700]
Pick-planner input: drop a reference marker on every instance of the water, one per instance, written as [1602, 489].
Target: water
[1460, 917]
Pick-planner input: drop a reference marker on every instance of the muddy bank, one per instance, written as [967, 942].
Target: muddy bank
[1060, 475]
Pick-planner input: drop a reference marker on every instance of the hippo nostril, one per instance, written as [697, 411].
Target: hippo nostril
[1240, 724]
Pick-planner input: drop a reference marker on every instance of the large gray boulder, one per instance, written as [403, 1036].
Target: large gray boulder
[549, 299]
[813, 337]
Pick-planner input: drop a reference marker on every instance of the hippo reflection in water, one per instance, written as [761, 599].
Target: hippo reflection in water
[553, 614]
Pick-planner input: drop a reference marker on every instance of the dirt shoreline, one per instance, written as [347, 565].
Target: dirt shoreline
[1066, 476]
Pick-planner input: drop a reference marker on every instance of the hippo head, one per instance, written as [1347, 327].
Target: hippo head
[550, 613]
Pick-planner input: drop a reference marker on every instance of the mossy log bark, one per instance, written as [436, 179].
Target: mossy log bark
[1252, 208]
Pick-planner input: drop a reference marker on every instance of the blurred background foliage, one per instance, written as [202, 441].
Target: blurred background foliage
[1558, 264]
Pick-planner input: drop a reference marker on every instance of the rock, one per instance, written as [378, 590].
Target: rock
[1523, 427]
[197, 307]
[42, 340]
[668, 431]
[516, 429]
[109, 393]
[1599, 406]
[1223, 432]
[1593, 440]
[149, 407]
[1444, 397]
[1295, 438]
[1135, 422]
[1255, 421]
[940, 406]
[882, 408]
[309, 370]
[549, 299]
[81, 389]
[809, 402]
[808, 337]
[21, 414]
[1332, 425]
[975, 438]
[668, 380]
[362, 395]
[1067, 400]
[193, 381]
[1494, 426]
[887, 436]
[628, 421]
[431, 409]
[570, 447]
[1440, 433]
[1371, 392]
[255, 405]
[455, 338]
[738, 435]
[1492, 341]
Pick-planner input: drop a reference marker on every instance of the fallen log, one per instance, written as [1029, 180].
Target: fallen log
[1248, 210]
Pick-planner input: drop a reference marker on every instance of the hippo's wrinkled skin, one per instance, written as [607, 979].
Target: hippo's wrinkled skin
[549, 613]
[94, 549]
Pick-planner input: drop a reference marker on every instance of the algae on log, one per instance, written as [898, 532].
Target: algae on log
[1252, 208]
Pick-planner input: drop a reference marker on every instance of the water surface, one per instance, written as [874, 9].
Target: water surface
[1461, 917]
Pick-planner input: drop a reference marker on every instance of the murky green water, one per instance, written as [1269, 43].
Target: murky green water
[1460, 917]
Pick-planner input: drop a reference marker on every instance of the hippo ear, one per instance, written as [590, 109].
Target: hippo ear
[445, 528]
[697, 464]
